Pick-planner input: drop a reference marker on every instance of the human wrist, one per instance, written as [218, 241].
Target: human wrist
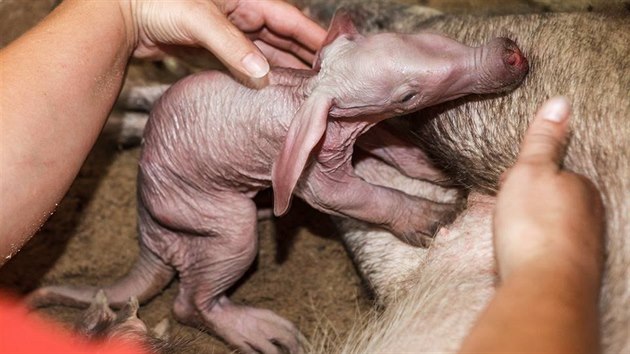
[118, 13]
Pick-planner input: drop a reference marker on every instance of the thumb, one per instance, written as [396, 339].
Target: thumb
[545, 140]
[216, 33]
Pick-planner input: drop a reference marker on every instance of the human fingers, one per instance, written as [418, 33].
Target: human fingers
[545, 141]
[287, 21]
[216, 33]
[286, 44]
[280, 58]
[196, 23]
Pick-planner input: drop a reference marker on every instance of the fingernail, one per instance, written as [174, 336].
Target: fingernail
[255, 65]
[556, 109]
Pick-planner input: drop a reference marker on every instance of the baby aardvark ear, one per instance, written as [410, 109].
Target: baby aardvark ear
[308, 125]
[341, 25]
[306, 130]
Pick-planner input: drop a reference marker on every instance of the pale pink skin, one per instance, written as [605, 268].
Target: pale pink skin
[204, 159]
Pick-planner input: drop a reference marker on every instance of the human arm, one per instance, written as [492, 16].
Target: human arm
[59, 81]
[548, 228]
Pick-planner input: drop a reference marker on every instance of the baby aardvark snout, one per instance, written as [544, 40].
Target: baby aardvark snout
[514, 58]
[505, 66]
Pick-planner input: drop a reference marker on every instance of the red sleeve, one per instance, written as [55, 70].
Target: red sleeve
[26, 333]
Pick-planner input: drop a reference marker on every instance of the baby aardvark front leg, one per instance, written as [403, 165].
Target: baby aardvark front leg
[341, 192]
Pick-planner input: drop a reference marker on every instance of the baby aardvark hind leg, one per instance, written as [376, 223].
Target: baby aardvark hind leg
[211, 264]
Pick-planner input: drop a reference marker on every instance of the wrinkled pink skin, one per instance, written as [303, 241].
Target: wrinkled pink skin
[204, 158]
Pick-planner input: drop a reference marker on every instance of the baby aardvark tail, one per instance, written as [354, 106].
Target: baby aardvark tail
[148, 276]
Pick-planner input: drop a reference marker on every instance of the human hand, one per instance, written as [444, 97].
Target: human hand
[225, 28]
[546, 216]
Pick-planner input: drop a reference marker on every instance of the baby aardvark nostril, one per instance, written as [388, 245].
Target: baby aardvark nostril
[514, 59]
[513, 56]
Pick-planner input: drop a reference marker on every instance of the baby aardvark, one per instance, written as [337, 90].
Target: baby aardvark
[211, 144]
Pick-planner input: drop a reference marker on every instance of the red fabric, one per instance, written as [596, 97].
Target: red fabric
[25, 333]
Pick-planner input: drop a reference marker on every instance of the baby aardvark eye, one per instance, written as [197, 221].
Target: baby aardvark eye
[408, 97]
